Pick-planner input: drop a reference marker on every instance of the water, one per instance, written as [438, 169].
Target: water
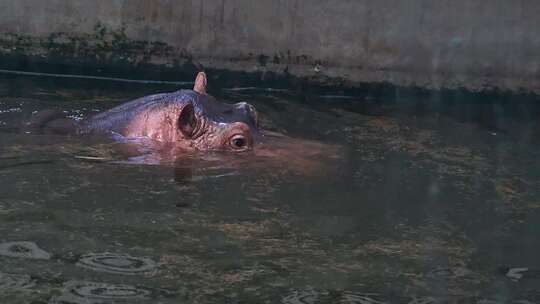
[431, 202]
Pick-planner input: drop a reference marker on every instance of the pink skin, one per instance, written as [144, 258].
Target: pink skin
[162, 126]
[295, 155]
[176, 130]
[180, 124]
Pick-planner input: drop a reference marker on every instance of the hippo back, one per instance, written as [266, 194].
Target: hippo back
[116, 119]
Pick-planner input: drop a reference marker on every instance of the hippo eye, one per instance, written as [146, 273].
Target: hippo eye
[238, 142]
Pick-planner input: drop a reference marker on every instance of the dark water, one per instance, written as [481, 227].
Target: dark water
[429, 204]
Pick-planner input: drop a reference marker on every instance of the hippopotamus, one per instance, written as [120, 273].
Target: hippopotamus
[191, 119]
[185, 121]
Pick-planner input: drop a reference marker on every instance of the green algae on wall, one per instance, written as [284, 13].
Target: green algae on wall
[102, 45]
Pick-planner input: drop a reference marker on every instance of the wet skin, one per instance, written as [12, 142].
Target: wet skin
[188, 121]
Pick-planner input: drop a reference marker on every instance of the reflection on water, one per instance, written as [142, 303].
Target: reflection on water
[420, 206]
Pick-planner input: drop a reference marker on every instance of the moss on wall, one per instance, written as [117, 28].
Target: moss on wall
[101, 45]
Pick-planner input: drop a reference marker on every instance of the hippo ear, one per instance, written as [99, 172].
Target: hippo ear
[200, 83]
[187, 121]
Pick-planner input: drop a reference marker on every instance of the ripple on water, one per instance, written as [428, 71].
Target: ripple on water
[358, 298]
[306, 296]
[27, 250]
[423, 300]
[116, 263]
[15, 281]
[77, 292]
[312, 296]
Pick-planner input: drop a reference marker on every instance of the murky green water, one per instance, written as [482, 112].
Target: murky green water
[423, 207]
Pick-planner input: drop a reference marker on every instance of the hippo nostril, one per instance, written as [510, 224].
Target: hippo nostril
[244, 106]
[248, 110]
[240, 105]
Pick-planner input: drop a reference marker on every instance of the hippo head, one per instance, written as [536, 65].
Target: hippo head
[206, 124]
[192, 120]
[170, 127]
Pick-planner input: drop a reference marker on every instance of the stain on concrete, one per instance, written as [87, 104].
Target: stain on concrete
[434, 46]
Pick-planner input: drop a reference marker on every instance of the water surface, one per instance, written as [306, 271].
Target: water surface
[428, 204]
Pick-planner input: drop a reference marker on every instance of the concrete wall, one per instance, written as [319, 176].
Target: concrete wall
[475, 44]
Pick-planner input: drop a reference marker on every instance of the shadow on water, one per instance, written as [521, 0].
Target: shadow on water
[433, 200]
